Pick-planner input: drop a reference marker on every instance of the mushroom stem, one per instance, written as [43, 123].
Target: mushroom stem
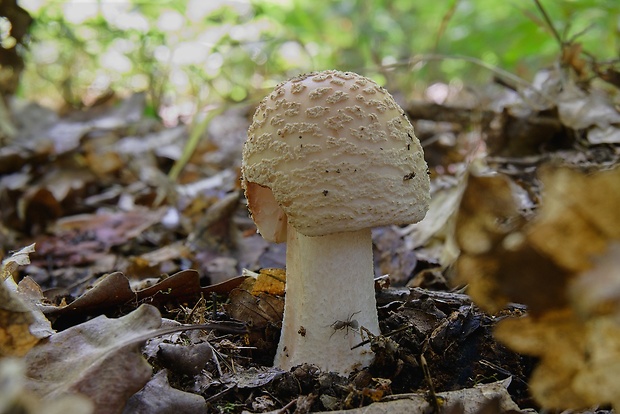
[329, 285]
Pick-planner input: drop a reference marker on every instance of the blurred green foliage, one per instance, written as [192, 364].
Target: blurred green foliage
[189, 53]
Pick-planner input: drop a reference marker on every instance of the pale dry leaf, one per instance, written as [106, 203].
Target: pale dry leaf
[604, 135]
[12, 263]
[252, 377]
[433, 237]
[99, 359]
[21, 323]
[580, 110]
[30, 292]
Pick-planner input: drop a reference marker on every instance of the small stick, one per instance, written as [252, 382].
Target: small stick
[287, 406]
[395, 331]
[220, 394]
[431, 389]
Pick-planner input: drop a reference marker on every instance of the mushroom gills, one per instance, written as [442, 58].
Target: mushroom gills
[269, 218]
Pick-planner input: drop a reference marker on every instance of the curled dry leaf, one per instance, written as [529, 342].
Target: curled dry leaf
[433, 237]
[98, 359]
[31, 294]
[110, 291]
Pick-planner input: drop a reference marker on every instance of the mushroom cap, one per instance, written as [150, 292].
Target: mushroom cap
[330, 152]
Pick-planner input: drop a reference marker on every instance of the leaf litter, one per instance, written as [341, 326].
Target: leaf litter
[138, 293]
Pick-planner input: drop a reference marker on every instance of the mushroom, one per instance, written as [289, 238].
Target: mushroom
[330, 155]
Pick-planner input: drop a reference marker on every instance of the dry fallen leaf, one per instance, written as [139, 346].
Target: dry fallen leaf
[591, 110]
[86, 239]
[270, 281]
[496, 262]
[472, 400]
[17, 314]
[15, 398]
[158, 397]
[433, 237]
[183, 358]
[15, 321]
[10, 264]
[564, 265]
[578, 216]
[580, 359]
[110, 291]
[113, 291]
[259, 308]
[99, 359]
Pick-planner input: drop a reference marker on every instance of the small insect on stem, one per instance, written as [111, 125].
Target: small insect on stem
[349, 323]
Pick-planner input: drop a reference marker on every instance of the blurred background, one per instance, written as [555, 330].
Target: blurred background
[188, 54]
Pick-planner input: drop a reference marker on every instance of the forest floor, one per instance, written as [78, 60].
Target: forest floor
[131, 292]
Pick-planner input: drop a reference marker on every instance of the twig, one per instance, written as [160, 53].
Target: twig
[431, 388]
[217, 354]
[581, 32]
[395, 331]
[220, 394]
[444, 23]
[498, 71]
[287, 406]
[7, 128]
[549, 23]
[182, 328]
[191, 313]
[501, 370]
